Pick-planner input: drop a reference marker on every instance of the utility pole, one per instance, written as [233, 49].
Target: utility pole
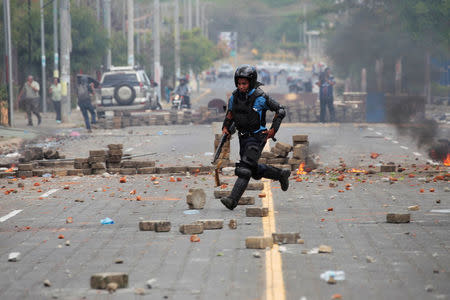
[97, 6]
[177, 40]
[55, 39]
[65, 38]
[107, 25]
[156, 46]
[202, 18]
[44, 83]
[185, 15]
[197, 13]
[189, 14]
[7, 20]
[130, 18]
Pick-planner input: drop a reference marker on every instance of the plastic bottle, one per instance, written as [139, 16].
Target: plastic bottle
[337, 275]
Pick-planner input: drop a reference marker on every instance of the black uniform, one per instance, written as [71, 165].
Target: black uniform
[248, 112]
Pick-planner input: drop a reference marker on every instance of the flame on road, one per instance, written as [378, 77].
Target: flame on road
[10, 169]
[447, 160]
[356, 171]
[301, 170]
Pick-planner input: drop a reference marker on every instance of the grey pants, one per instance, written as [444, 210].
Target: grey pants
[32, 106]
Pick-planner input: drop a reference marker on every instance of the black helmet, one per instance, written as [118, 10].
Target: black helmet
[246, 71]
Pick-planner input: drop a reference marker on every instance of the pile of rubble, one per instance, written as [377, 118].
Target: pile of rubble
[278, 155]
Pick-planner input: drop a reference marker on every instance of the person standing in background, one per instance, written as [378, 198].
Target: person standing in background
[55, 91]
[31, 89]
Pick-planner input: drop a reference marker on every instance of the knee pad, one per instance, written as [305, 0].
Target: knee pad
[251, 156]
[243, 172]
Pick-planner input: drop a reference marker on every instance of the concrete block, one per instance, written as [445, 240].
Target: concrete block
[299, 138]
[196, 198]
[246, 200]
[283, 146]
[258, 242]
[195, 228]
[300, 152]
[25, 173]
[232, 224]
[115, 146]
[267, 154]
[25, 167]
[144, 163]
[128, 171]
[211, 224]
[286, 238]
[97, 153]
[398, 218]
[221, 193]
[278, 152]
[115, 152]
[158, 226]
[149, 170]
[257, 211]
[387, 168]
[101, 280]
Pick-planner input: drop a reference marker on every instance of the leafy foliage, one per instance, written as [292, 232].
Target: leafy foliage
[197, 52]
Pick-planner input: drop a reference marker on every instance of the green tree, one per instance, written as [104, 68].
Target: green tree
[197, 52]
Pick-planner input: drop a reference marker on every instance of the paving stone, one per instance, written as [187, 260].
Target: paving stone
[144, 163]
[278, 152]
[257, 211]
[101, 280]
[25, 167]
[398, 218]
[277, 160]
[258, 242]
[25, 173]
[97, 153]
[98, 165]
[246, 200]
[387, 168]
[191, 228]
[267, 154]
[211, 224]
[300, 152]
[115, 152]
[283, 146]
[94, 159]
[232, 224]
[325, 249]
[221, 193]
[155, 225]
[299, 138]
[115, 146]
[128, 171]
[196, 198]
[74, 172]
[147, 170]
[286, 238]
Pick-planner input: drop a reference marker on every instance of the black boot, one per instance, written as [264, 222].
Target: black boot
[239, 187]
[281, 175]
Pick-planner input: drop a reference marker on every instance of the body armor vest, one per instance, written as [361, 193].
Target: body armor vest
[245, 117]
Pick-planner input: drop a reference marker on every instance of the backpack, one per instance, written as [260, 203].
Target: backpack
[83, 92]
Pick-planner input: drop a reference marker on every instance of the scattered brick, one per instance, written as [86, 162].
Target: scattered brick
[398, 218]
[387, 168]
[286, 238]
[211, 224]
[257, 211]
[158, 226]
[246, 200]
[195, 228]
[196, 198]
[232, 224]
[101, 280]
[258, 242]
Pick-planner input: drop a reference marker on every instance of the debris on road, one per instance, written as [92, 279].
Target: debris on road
[325, 249]
[258, 242]
[256, 254]
[336, 275]
[196, 198]
[211, 224]
[14, 256]
[195, 238]
[106, 221]
[101, 280]
[157, 226]
[286, 238]
[413, 207]
[398, 218]
[112, 287]
[370, 259]
[232, 224]
[47, 283]
[257, 211]
[191, 228]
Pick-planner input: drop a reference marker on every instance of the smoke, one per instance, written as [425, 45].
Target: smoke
[407, 113]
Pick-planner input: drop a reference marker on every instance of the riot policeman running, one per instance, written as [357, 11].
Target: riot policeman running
[247, 110]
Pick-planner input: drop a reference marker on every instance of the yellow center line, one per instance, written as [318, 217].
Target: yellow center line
[274, 272]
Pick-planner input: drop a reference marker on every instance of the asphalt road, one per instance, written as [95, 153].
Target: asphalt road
[407, 258]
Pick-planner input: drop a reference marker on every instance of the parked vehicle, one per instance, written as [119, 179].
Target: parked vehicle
[225, 70]
[126, 86]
